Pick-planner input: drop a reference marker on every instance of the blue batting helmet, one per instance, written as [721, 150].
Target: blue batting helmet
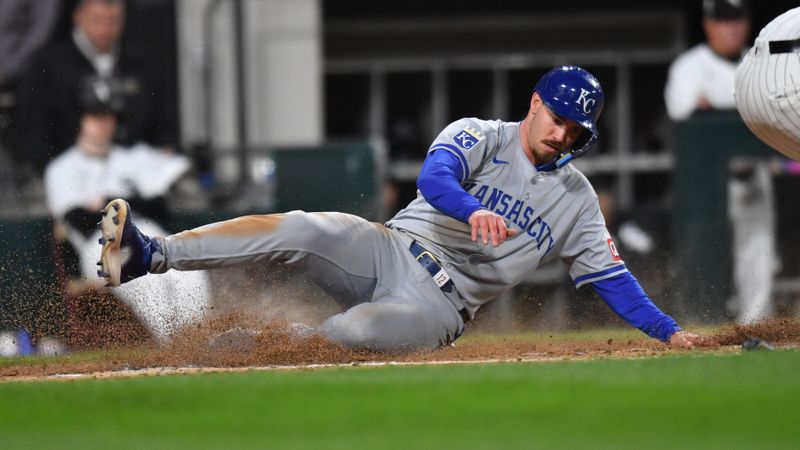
[573, 92]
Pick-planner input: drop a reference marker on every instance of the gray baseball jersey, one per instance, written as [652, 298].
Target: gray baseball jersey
[392, 302]
[556, 213]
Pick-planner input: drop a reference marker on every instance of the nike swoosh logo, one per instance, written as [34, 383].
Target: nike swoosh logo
[498, 161]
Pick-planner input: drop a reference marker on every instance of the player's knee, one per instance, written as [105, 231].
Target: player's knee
[379, 327]
[308, 227]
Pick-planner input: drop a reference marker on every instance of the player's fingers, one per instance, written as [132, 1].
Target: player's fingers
[502, 231]
[695, 339]
[493, 231]
[512, 231]
[484, 230]
[683, 339]
[475, 226]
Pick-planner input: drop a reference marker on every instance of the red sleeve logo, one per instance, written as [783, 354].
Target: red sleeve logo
[613, 249]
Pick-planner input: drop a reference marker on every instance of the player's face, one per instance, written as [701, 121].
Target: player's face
[97, 130]
[101, 23]
[727, 37]
[548, 134]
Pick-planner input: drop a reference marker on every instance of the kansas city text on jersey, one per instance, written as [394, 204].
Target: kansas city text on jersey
[516, 211]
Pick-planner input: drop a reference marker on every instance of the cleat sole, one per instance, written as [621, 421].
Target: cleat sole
[112, 224]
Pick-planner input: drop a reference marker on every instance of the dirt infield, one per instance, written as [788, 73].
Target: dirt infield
[276, 345]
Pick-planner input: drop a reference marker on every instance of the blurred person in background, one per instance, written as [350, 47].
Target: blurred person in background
[47, 98]
[702, 78]
[25, 26]
[93, 170]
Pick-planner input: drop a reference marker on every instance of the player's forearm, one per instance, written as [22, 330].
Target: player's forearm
[627, 298]
[438, 183]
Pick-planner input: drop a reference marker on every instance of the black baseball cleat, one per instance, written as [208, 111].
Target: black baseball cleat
[126, 252]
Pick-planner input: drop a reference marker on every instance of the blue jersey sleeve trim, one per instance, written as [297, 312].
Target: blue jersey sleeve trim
[588, 278]
[438, 184]
[625, 296]
[455, 150]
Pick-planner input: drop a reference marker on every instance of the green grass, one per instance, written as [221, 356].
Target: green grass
[728, 401]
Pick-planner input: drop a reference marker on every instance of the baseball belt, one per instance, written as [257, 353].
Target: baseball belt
[436, 271]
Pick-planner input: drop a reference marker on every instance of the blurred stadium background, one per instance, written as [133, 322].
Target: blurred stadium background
[323, 104]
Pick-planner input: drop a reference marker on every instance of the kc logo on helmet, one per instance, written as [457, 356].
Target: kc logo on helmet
[586, 102]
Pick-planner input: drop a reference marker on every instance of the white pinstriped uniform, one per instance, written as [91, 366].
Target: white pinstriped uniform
[767, 88]
[767, 95]
[701, 73]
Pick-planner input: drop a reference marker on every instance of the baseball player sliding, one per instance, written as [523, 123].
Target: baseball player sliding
[495, 201]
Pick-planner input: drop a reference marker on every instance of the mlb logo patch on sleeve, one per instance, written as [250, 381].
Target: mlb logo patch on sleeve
[468, 137]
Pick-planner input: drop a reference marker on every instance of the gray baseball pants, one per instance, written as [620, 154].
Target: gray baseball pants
[391, 301]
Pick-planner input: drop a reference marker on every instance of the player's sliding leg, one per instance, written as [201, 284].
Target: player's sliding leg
[394, 325]
[409, 310]
[344, 254]
[335, 250]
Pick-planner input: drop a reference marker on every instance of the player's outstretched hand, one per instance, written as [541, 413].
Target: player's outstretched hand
[490, 226]
[684, 339]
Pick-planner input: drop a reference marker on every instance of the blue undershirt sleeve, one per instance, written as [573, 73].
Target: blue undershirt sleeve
[439, 184]
[627, 298]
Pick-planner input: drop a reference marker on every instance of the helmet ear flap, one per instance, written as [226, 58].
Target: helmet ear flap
[578, 150]
[583, 139]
